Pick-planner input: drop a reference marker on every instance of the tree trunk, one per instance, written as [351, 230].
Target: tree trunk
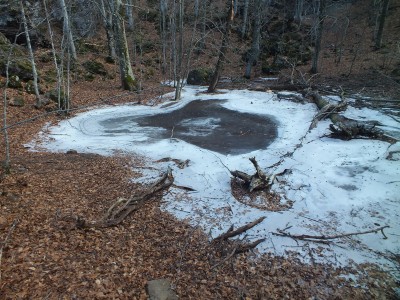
[319, 24]
[179, 52]
[107, 23]
[53, 51]
[67, 29]
[245, 16]
[382, 19]
[129, 14]
[31, 56]
[5, 130]
[255, 45]
[163, 34]
[222, 52]
[128, 80]
[203, 11]
[298, 13]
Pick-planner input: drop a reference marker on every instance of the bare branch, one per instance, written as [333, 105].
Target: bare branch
[317, 238]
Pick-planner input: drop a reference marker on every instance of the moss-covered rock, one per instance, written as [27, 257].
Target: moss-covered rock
[14, 82]
[30, 88]
[95, 67]
[17, 101]
[21, 68]
[200, 76]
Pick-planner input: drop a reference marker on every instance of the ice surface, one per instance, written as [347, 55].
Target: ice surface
[337, 186]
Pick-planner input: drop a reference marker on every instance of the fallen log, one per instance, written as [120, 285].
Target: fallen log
[121, 208]
[342, 127]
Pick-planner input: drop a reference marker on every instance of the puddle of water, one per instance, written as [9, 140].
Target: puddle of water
[206, 124]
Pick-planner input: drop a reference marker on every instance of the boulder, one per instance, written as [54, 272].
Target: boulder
[14, 82]
[17, 101]
[199, 76]
[95, 67]
[160, 289]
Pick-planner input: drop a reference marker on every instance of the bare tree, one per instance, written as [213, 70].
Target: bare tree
[163, 34]
[129, 15]
[381, 24]
[179, 52]
[67, 29]
[320, 9]
[243, 30]
[31, 56]
[128, 80]
[107, 22]
[298, 12]
[54, 53]
[254, 52]
[224, 47]
[5, 130]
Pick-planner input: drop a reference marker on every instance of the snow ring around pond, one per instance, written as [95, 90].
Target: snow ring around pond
[336, 186]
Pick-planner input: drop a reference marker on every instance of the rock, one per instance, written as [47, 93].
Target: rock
[95, 67]
[21, 68]
[17, 101]
[160, 289]
[72, 151]
[199, 76]
[30, 88]
[14, 82]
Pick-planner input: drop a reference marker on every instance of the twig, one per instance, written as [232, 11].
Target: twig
[4, 243]
[240, 248]
[231, 233]
[226, 258]
[317, 238]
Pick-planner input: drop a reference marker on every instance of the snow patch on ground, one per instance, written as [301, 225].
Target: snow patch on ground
[337, 186]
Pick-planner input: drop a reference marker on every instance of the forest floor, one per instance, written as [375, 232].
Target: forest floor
[43, 255]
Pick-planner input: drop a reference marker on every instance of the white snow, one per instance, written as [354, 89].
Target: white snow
[337, 186]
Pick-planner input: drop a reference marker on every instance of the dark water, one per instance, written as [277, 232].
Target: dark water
[205, 124]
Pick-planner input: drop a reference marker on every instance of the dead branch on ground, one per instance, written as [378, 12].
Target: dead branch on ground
[236, 247]
[317, 238]
[121, 208]
[257, 181]
[231, 233]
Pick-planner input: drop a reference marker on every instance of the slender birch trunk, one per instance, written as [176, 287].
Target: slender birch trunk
[67, 29]
[128, 80]
[31, 56]
[107, 23]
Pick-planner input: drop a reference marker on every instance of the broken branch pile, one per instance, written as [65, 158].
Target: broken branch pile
[257, 181]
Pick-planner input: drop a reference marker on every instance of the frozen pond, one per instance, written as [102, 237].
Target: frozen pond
[206, 124]
[336, 187]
